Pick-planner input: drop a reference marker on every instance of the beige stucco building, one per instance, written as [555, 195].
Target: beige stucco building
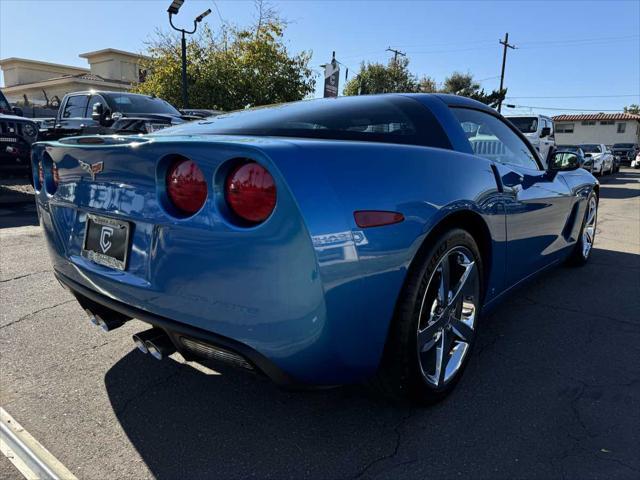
[43, 82]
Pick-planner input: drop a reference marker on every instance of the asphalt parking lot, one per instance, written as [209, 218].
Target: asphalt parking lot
[553, 390]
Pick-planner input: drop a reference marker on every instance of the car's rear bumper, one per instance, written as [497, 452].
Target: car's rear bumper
[239, 353]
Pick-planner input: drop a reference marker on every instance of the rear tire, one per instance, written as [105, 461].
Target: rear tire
[435, 325]
[582, 250]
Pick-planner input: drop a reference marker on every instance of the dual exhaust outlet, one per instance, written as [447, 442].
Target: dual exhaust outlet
[154, 341]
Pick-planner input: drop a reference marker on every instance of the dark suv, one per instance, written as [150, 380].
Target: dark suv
[625, 152]
[98, 112]
[16, 136]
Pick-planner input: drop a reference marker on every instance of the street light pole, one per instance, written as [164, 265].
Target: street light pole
[172, 10]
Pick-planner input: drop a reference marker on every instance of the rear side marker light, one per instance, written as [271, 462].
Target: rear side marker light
[376, 218]
[186, 186]
[250, 192]
[40, 173]
[56, 174]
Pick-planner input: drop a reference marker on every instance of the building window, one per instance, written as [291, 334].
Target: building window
[564, 128]
[607, 122]
[589, 122]
[622, 127]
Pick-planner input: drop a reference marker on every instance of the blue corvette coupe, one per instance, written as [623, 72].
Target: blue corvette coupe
[320, 242]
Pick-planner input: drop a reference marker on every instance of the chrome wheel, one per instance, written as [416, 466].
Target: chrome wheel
[447, 318]
[589, 230]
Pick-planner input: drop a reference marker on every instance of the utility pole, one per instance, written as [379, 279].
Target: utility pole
[506, 45]
[395, 54]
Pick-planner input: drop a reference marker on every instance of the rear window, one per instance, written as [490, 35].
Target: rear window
[391, 119]
[525, 124]
[140, 104]
[623, 145]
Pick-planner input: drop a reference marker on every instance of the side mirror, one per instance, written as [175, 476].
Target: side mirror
[17, 111]
[97, 114]
[546, 131]
[564, 160]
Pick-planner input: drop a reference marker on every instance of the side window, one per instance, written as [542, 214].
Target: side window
[95, 99]
[492, 139]
[75, 106]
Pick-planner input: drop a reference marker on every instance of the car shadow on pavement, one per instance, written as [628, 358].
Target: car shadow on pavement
[553, 389]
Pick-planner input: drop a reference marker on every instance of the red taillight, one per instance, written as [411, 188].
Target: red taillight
[56, 174]
[40, 173]
[186, 186]
[251, 192]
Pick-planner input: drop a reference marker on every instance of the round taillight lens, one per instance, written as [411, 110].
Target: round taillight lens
[251, 192]
[186, 186]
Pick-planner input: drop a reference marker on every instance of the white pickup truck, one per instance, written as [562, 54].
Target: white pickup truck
[540, 132]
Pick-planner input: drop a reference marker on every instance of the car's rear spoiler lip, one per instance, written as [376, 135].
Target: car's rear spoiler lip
[260, 361]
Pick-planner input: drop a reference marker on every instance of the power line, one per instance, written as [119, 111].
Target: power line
[395, 54]
[522, 45]
[562, 109]
[580, 96]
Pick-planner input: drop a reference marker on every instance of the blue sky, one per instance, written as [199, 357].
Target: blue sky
[587, 54]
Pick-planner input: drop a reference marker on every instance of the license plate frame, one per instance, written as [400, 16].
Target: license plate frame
[106, 225]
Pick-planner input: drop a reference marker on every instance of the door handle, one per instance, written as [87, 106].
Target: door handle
[82, 125]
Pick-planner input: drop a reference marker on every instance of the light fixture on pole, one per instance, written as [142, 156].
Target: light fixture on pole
[173, 10]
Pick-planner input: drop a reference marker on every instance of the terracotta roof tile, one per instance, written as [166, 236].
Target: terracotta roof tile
[596, 116]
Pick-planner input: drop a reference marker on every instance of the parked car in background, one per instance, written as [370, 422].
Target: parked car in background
[636, 162]
[585, 162]
[539, 130]
[193, 230]
[101, 112]
[601, 158]
[6, 108]
[625, 152]
[17, 134]
[616, 160]
[200, 112]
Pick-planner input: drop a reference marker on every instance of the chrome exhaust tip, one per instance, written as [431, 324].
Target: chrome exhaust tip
[141, 338]
[92, 317]
[108, 324]
[160, 347]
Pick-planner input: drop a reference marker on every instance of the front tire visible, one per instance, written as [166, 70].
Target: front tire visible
[436, 321]
[583, 247]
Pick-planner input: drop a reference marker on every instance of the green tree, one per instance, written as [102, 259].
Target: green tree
[379, 78]
[238, 68]
[464, 84]
[396, 77]
[633, 108]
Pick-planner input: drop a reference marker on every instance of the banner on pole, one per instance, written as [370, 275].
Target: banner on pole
[331, 79]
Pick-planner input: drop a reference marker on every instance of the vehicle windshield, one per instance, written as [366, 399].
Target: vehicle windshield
[623, 145]
[590, 148]
[570, 148]
[391, 119]
[525, 124]
[128, 103]
[4, 104]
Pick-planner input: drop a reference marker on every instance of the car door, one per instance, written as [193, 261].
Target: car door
[538, 203]
[92, 126]
[72, 115]
[548, 141]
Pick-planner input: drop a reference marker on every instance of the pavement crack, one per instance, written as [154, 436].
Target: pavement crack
[398, 441]
[25, 275]
[31, 314]
[581, 312]
[121, 411]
